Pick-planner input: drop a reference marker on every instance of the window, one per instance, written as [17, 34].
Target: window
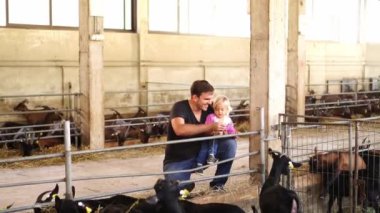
[207, 17]
[325, 21]
[65, 13]
[372, 30]
[118, 14]
[114, 17]
[32, 12]
[163, 15]
[2, 13]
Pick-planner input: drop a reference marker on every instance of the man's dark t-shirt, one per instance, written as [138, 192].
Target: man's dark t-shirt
[183, 151]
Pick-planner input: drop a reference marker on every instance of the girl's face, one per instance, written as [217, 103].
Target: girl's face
[220, 110]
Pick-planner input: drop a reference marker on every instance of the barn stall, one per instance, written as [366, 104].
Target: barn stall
[356, 185]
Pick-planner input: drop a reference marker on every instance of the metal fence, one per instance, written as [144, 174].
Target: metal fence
[161, 98]
[322, 180]
[69, 179]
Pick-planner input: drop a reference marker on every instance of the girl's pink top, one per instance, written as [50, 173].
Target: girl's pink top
[230, 129]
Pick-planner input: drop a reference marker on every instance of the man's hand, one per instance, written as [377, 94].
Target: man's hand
[219, 128]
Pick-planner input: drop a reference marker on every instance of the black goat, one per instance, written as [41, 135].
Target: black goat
[68, 206]
[167, 192]
[371, 176]
[147, 205]
[115, 202]
[334, 169]
[335, 161]
[156, 126]
[340, 188]
[19, 137]
[275, 198]
[91, 206]
[40, 199]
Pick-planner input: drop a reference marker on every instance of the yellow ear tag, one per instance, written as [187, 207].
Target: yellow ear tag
[291, 165]
[88, 209]
[54, 196]
[184, 194]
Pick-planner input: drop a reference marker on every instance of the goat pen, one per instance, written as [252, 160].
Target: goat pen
[341, 164]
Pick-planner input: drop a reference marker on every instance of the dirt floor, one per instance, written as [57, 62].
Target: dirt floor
[129, 162]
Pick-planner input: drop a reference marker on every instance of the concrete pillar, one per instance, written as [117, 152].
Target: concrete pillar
[142, 30]
[268, 68]
[259, 11]
[277, 62]
[295, 95]
[91, 72]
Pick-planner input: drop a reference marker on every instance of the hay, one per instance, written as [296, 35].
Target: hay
[123, 154]
[243, 126]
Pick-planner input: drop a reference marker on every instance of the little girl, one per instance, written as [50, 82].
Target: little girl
[222, 108]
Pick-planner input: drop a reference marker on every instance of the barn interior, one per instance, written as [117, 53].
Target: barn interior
[290, 68]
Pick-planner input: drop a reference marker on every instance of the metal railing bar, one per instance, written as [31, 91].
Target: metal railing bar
[13, 160]
[175, 90]
[37, 111]
[156, 105]
[163, 143]
[150, 188]
[38, 95]
[162, 173]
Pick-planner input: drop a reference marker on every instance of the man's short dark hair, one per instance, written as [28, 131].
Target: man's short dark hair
[200, 86]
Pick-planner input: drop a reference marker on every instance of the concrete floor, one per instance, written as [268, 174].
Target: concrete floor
[26, 195]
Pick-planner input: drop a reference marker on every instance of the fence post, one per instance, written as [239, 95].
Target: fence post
[350, 165]
[68, 178]
[262, 144]
[356, 173]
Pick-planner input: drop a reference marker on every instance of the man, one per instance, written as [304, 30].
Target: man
[187, 120]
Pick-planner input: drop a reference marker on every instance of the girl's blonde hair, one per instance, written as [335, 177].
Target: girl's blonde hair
[222, 99]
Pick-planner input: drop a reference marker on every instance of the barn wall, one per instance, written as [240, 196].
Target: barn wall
[372, 68]
[46, 61]
[36, 61]
[332, 61]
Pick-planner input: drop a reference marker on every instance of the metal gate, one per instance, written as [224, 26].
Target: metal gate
[320, 184]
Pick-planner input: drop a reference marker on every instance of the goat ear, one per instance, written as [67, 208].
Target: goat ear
[296, 165]
[270, 151]
[58, 202]
[73, 190]
[55, 190]
[9, 206]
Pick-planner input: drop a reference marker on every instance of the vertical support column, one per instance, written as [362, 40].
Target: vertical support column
[295, 95]
[259, 11]
[268, 46]
[91, 72]
[142, 29]
[262, 146]
[278, 10]
[68, 160]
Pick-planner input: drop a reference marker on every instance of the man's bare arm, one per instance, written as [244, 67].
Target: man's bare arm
[182, 129]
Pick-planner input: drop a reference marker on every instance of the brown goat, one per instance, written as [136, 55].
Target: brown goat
[122, 128]
[38, 117]
[338, 159]
[334, 168]
[335, 161]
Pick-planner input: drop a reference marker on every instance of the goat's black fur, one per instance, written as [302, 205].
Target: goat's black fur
[167, 192]
[372, 178]
[272, 192]
[68, 206]
[336, 181]
[48, 199]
